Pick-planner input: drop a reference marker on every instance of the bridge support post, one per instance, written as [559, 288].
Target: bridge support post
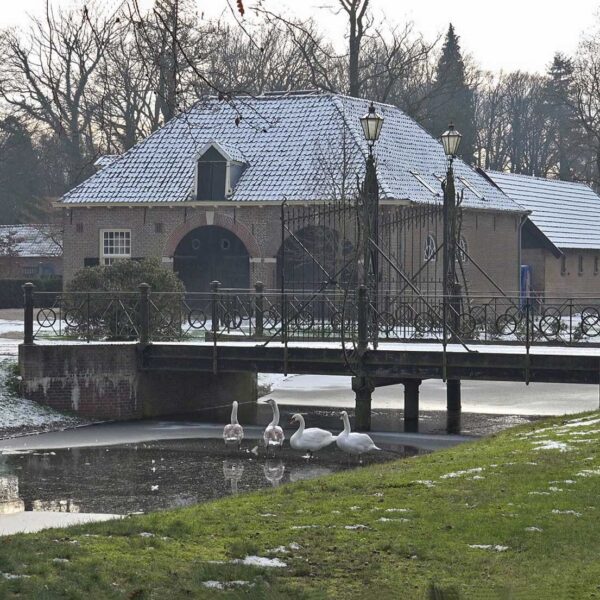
[363, 388]
[28, 316]
[411, 405]
[453, 405]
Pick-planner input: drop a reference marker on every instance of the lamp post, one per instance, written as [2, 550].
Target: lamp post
[451, 141]
[451, 301]
[371, 124]
[362, 385]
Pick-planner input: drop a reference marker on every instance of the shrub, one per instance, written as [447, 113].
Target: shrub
[103, 301]
[11, 290]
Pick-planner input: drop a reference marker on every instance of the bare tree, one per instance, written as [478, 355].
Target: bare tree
[47, 76]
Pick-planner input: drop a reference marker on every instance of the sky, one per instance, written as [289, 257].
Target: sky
[516, 34]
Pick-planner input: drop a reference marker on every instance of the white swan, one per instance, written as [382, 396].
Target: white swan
[233, 434]
[273, 435]
[354, 443]
[311, 439]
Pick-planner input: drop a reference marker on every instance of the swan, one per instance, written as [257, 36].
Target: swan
[233, 434]
[273, 435]
[354, 443]
[311, 439]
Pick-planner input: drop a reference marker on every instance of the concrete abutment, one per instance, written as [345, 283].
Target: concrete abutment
[105, 381]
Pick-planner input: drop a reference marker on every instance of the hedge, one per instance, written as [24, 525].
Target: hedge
[11, 290]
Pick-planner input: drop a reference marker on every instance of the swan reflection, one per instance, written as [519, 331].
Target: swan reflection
[274, 471]
[232, 472]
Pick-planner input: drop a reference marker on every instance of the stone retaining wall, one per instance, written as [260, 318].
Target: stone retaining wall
[104, 381]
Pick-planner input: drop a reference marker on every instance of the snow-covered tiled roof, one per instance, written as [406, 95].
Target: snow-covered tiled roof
[567, 213]
[297, 146]
[29, 241]
[105, 160]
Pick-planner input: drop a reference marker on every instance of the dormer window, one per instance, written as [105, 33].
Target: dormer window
[218, 170]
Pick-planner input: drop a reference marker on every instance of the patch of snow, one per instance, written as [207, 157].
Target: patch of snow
[268, 515]
[556, 511]
[355, 508]
[459, 473]
[60, 560]
[14, 576]
[356, 527]
[539, 493]
[402, 510]
[305, 526]
[588, 473]
[146, 534]
[224, 585]
[387, 520]
[261, 561]
[552, 445]
[494, 547]
[426, 482]
[285, 549]
[533, 529]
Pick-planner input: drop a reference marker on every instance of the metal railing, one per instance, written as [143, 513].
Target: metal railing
[266, 316]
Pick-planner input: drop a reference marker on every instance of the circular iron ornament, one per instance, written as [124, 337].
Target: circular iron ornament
[506, 324]
[590, 321]
[550, 322]
[468, 324]
[232, 320]
[72, 317]
[424, 323]
[304, 320]
[549, 326]
[386, 322]
[336, 322]
[196, 318]
[46, 317]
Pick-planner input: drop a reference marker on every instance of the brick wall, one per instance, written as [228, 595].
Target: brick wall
[103, 381]
[492, 238]
[572, 282]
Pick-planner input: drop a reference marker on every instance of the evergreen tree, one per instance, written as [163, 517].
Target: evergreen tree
[20, 181]
[560, 103]
[452, 98]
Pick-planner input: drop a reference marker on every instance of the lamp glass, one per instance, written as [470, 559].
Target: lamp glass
[371, 124]
[451, 141]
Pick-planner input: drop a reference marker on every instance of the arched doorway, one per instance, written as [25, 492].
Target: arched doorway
[313, 256]
[212, 253]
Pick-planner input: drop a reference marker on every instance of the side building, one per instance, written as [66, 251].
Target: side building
[204, 194]
[561, 236]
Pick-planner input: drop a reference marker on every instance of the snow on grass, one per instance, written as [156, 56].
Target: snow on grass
[534, 529]
[388, 520]
[18, 415]
[460, 473]
[588, 473]
[225, 585]
[556, 511]
[552, 445]
[14, 576]
[261, 561]
[494, 547]
[10, 326]
[352, 527]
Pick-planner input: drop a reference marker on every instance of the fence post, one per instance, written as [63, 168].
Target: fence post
[28, 316]
[144, 314]
[259, 307]
[214, 305]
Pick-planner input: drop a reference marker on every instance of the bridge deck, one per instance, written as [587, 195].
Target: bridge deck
[391, 361]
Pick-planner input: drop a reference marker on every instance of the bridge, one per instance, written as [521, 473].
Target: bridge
[210, 340]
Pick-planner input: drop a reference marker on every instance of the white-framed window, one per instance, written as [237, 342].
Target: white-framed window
[430, 248]
[115, 244]
[462, 250]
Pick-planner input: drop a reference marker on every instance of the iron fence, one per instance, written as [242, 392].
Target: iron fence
[331, 316]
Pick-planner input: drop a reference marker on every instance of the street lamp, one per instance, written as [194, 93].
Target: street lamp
[371, 124]
[451, 141]
[368, 210]
[451, 302]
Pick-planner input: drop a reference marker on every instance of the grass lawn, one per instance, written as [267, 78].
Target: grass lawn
[512, 516]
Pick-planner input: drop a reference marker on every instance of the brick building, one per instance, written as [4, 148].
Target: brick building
[204, 193]
[561, 237]
[30, 251]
